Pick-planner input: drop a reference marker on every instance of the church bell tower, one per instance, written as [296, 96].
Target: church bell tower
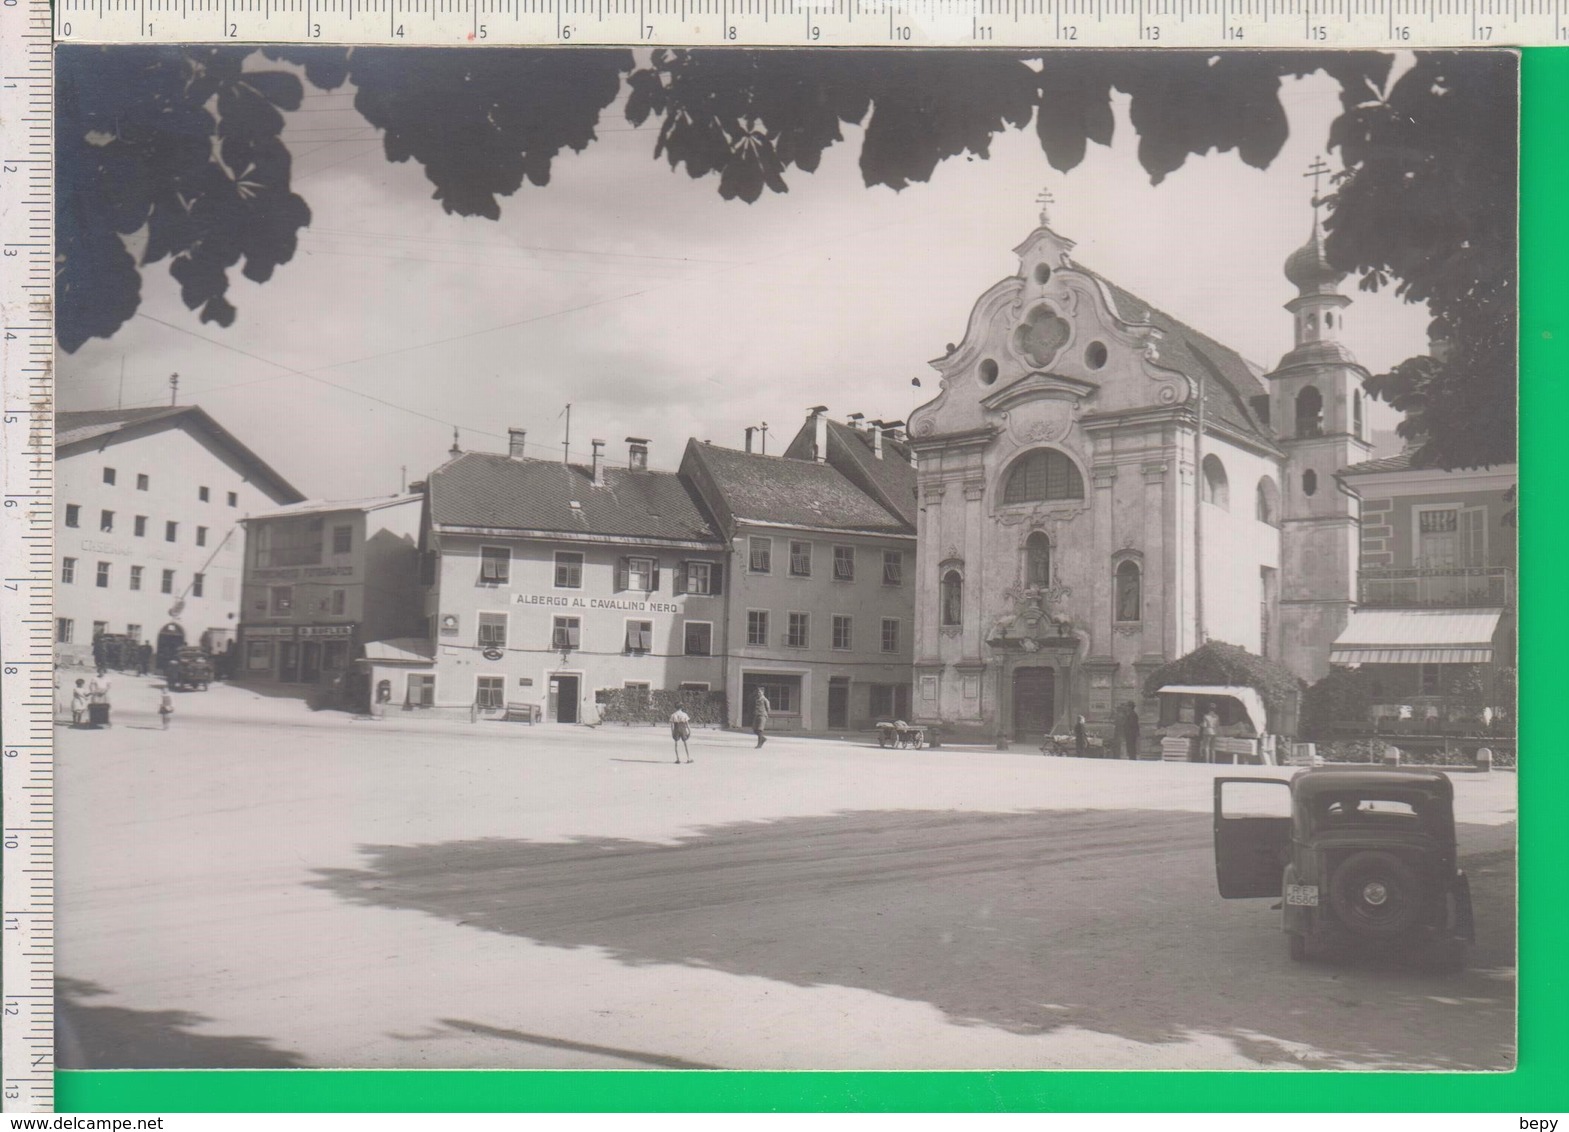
[1318, 411]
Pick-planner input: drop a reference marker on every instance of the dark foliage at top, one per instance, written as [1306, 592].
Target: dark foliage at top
[1219, 663]
[184, 145]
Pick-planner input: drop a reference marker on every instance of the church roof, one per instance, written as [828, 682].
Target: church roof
[1198, 355]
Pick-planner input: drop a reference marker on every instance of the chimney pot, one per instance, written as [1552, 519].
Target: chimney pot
[599, 462]
[820, 433]
[637, 453]
[750, 429]
[515, 445]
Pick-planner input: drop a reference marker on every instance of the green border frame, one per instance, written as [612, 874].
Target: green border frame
[1538, 1085]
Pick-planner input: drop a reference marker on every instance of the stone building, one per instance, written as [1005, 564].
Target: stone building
[1102, 488]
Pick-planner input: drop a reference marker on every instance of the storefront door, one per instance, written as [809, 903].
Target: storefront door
[288, 662]
[564, 698]
[838, 703]
[310, 662]
[1032, 701]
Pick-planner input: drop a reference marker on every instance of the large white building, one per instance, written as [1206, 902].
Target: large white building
[147, 535]
[1103, 488]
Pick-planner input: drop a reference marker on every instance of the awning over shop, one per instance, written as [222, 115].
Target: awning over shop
[1417, 636]
[1251, 701]
[400, 650]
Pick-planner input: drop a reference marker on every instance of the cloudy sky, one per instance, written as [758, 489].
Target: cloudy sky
[658, 309]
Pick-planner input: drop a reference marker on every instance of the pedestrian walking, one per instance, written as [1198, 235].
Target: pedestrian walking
[1081, 737]
[144, 659]
[165, 708]
[1207, 728]
[78, 702]
[681, 731]
[1130, 729]
[760, 717]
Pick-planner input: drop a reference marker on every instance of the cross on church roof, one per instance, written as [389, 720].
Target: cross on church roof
[1316, 170]
[1045, 200]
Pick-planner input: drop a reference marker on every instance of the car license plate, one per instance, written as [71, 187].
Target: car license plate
[1302, 895]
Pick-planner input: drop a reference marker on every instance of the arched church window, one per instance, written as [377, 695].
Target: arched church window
[1037, 560]
[1041, 475]
[1216, 488]
[1266, 503]
[1310, 412]
[1309, 482]
[1329, 319]
[1356, 414]
[952, 598]
[1129, 603]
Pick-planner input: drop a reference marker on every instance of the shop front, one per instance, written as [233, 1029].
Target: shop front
[296, 654]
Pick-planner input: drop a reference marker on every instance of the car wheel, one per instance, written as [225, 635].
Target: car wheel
[1376, 894]
[1296, 946]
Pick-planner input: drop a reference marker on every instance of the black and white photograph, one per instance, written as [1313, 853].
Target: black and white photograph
[785, 559]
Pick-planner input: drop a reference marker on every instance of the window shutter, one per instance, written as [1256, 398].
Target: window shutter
[646, 636]
[653, 583]
[632, 637]
[716, 578]
[678, 580]
[572, 636]
[621, 574]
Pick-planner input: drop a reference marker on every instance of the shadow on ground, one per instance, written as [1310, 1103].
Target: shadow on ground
[112, 1037]
[1105, 921]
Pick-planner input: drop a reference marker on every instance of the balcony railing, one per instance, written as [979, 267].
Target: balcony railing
[1454, 587]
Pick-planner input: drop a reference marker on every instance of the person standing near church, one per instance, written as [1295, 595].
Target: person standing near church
[1130, 729]
[1208, 726]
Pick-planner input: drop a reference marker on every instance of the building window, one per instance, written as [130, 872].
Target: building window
[73, 515]
[844, 563]
[420, 691]
[1310, 412]
[1128, 586]
[1216, 488]
[1432, 679]
[700, 578]
[693, 686]
[282, 598]
[342, 539]
[569, 570]
[106, 521]
[292, 542]
[340, 599]
[1041, 475]
[800, 560]
[258, 655]
[1037, 561]
[68, 570]
[798, 631]
[136, 577]
[760, 553]
[139, 526]
[1266, 502]
[1309, 482]
[171, 531]
[64, 630]
[757, 627]
[234, 499]
[640, 574]
[167, 585]
[201, 536]
[783, 694]
[565, 633]
[952, 598]
[890, 634]
[490, 693]
[142, 483]
[640, 636]
[203, 494]
[197, 583]
[492, 630]
[134, 631]
[103, 575]
[699, 638]
[109, 476]
[893, 568]
[495, 566]
[841, 632]
[1356, 415]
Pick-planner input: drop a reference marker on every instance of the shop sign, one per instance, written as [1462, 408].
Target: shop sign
[449, 624]
[492, 654]
[255, 632]
[97, 547]
[629, 605]
[295, 573]
[326, 630]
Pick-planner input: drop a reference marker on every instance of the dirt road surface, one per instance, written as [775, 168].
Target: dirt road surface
[262, 886]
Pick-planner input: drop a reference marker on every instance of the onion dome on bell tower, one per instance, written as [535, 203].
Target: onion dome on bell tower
[1318, 307]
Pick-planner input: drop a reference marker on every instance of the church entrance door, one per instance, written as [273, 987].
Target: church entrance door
[1033, 701]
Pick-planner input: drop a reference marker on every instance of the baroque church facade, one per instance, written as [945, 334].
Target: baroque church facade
[1103, 488]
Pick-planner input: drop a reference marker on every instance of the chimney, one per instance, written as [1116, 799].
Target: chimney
[637, 453]
[599, 463]
[820, 437]
[877, 439]
[750, 429]
[855, 420]
[515, 446]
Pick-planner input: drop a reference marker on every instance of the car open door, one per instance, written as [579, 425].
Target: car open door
[1252, 835]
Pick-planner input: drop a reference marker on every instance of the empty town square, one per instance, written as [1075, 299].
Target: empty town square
[259, 886]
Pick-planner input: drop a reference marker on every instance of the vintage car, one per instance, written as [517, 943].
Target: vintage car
[190, 668]
[1357, 858]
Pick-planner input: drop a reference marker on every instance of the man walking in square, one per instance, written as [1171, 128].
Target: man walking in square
[760, 717]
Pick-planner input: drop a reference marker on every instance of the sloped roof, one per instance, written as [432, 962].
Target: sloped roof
[326, 506]
[791, 492]
[74, 429]
[1197, 354]
[891, 480]
[483, 489]
[1398, 463]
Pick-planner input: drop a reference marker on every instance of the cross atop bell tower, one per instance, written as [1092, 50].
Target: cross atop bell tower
[1316, 170]
[1045, 200]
